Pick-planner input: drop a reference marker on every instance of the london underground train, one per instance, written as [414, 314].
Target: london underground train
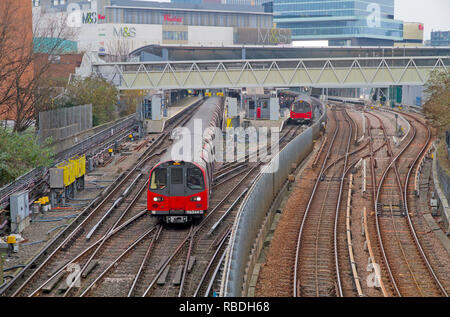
[179, 189]
[301, 109]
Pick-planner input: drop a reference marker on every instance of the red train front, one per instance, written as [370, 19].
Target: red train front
[178, 191]
[301, 110]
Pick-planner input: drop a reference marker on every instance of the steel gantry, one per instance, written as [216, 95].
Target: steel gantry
[333, 72]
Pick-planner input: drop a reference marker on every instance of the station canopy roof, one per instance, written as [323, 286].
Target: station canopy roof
[192, 53]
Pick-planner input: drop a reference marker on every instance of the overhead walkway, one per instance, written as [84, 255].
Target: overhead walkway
[268, 73]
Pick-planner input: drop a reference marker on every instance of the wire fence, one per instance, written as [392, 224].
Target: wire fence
[88, 146]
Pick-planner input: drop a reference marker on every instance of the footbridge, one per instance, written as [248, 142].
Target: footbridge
[279, 72]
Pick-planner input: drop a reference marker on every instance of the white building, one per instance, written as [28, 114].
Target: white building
[117, 27]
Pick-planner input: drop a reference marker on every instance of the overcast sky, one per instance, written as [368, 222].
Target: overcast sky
[433, 13]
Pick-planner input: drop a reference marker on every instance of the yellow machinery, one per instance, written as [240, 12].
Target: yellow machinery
[68, 172]
[79, 165]
[66, 178]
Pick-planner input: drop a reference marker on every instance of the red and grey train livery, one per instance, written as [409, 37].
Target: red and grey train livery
[301, 109]
[179, 190]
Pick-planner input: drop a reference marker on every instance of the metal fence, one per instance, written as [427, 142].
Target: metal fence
[64, 122]
[257, 203]
[28, 180]
[88, 146]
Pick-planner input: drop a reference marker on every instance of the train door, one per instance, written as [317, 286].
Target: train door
[147, 109]
[265, 109]
[251, 109]
[177, 188]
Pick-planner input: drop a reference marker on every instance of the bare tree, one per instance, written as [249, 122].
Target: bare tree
[21, 97]
[118, 50]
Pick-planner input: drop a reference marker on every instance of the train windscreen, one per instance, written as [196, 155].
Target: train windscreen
[176, 176]
[158, 179]
[301, 106]
[195, 179]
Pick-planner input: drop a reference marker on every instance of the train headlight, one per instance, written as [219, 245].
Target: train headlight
[196, 198]
[158, 199]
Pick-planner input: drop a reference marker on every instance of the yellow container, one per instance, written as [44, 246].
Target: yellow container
[79, 165]
[73, 172]
[75, 165]
[82, 165]
[69, 172]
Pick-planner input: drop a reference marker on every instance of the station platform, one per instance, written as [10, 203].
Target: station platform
[280, 123]
[157, 126]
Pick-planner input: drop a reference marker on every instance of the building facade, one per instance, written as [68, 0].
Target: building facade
[412, 34]
[16, 61]
[342, 23]
[233, 2]
[117, 27]
[440, 38]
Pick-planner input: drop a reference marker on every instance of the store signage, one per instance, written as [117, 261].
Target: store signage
[89, 18]
[125, 32]
[76, 17]
[170, 18]
[273, 36]
[262, 36]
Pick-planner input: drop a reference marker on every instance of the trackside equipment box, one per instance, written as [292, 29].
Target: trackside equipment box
[19, 210]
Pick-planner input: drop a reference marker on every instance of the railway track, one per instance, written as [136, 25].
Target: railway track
[101, 221]
[177, 255]
[407, 266]
[316, 263]
[118, 262]
[192, 267]
[325, 255]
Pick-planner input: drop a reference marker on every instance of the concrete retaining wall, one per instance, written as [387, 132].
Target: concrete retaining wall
[246, 239]
[442, 186]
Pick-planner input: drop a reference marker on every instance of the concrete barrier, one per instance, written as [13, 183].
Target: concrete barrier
[442, 185]
[251, 221]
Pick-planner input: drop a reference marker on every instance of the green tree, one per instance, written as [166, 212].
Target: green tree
[96, 91]
[19, 153]
[437, 107]
[129, 101]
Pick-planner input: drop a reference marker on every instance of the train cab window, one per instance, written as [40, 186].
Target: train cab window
[158, 179]
[300, 106]
[176, 175]
[195, 179]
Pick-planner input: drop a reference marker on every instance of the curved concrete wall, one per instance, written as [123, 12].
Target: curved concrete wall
[257, 203]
